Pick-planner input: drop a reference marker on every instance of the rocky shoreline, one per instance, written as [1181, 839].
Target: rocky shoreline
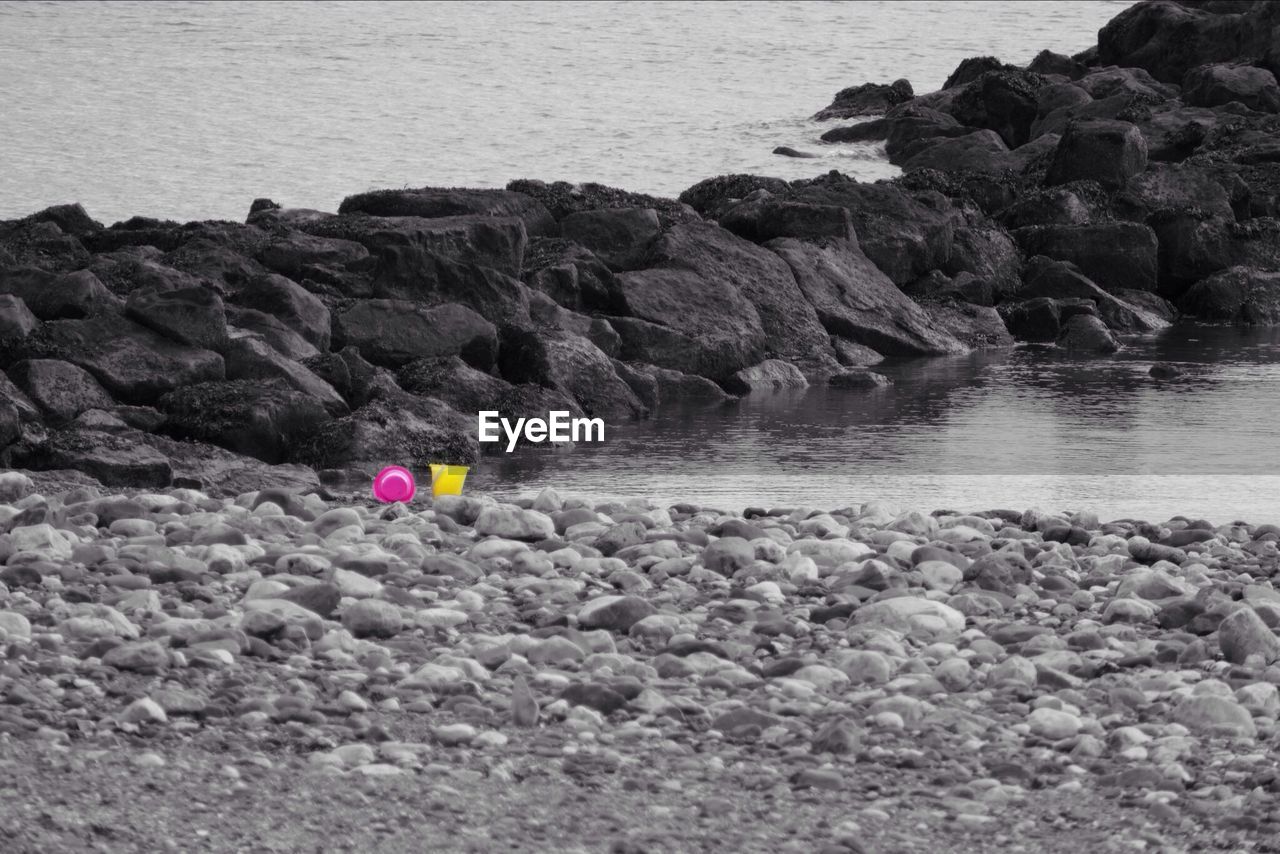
[1071, 202]
[274, 671]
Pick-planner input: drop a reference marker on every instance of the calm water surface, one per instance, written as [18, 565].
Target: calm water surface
[191, 110]
[1014, 428]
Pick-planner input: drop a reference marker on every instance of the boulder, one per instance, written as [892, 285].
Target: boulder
[1115, 254]
[453, 381]
[411, 272]
[61, 390]
[571, 275]
[768, 375]
[441, 202]
[1114, 80]
[1086, 333]
[1243, 633]
[860, 379]
[114, 458]
[620, 237]
[711, 197]
[1003, 101]
[1039, 320]
[544, 312]
[16, 320]
[261, 418]
[1048, 278]
[978, 151]
[1237, 295]
[291, 304]
[400, 429]
[856, 301]
[133, 363]
[765, 216]
[395, 332]
[50, 296]
[570, 364]
[905, 234]
[1167, 190]
[302, 256]
[971, 68]
[281, 338]
[868, 99]
[1220, 83]
[791, 328]
[249, 357]
[1170, 39]
[975, 326]
[655, 385]
[989, 254]
[1051, 206]
[1106, 151]
[514, 523]
[686, 323]
[189, 315]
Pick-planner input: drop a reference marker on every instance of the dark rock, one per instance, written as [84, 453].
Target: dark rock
[1165, 372]
[401, 429]
[655, 385]
[192, 315]
[1109, 152]
[279, 337]
[1217, 84]
[617, 615]
[1047, 62]
[439, 202]
[765, 216]
[248, 357]
[16, 320]
[1170, 39]
[973, 67]
[133, 363]
[974, 326]
[572, 276]
[395, 332]
[905, 234]
[620, 237]
[856, 301]
[322, 598]
[787, 151]
[453, 381]
[1040, 319]
[1086, 333]
[1115, 255]
[989, 254]
[70, 219]
[411, 272]
[330, 260]
[771, 374]
[1003, 101]
[263, 418]
[868, 99]
[1237, 294]
[118, 458]
[686, 323]
[1106, 82]
[545, 313]
[142, 656]
[711, 197]
[291, 304]
[979, 151]
[50, 296]
[1048, 278]
[593, 695]
[858, 379]
[61, 390]
[1054, 206]
[570, 364]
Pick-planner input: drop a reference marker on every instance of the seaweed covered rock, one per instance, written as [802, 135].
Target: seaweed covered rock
[264, 418]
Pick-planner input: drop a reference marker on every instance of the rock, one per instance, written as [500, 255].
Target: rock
[320, 598]
[439, 202]
[372, 618]
[787, 151]
[1243, 633]
[1209, 715]
[249, 357]
[394, 332]
[974, 326]
[16, 320]
[859, 379]
[1053, 724]
[1087, 334]
[397, 429]
[1217, 84]
[727, 555]
[133, 363]
[194, 316]
[291, 304]
[912, 615]
[615, 613]
[140, 656]
[524, 705]
[115, 458]
[856, 301]
[1120, 255]
[1237, 294]
[510, 522]
[61, 390]
[412, 272]
[620, 237]
[571, 365]
[868, 99]
[979, 151]
[1002, 100]
[1169, 39]
[1109, 152]
[51, 296]
[15, 625]
[769, 374]
[1165, 372]
[262, 418]
[1048, 278]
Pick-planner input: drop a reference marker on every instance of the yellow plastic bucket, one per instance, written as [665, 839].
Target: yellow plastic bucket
[447, 480]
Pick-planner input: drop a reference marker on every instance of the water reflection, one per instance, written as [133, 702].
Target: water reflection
[1015, 428]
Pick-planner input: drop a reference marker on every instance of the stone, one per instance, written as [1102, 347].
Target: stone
[1243, 633]
[1053, 724]
[395, 332]
[615, 613]
[320, 598]
[193, 316]
[509, 522]
[1109, 152]
[372, 618]
[1210, 715]
[1217, 84]
[140, 656]
[1087, 334]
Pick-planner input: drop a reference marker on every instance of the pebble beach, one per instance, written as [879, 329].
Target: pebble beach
[278, 671]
